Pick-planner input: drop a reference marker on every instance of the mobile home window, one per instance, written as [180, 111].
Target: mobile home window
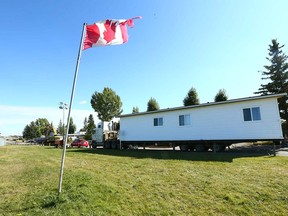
[158, 121]
[252, 114]
[184, 120]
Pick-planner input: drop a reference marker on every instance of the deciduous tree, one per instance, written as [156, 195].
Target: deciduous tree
[36, 128]
[107, 104]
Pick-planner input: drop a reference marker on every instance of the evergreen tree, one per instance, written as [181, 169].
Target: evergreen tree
[35, 131]
[107, 104]
[27, 133]
[152, 105]
[72, 126]
[37, 128]
[60, 128]
[221, 96]
[32, 131]
[90, 126]
[85, 125]
[191, 98]
[135, 110]
[277, 75]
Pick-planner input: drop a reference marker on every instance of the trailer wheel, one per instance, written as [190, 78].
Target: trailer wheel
[200, 148]
[218, 147]
[192, 148]
[184, 147]
[124, 146]
[107, 145]
[113, 145]
[94, 145]
[133, 147]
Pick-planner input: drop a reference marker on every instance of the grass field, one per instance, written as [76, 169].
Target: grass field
[113, 182]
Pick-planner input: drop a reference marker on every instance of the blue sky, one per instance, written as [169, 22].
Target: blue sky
[177, 45]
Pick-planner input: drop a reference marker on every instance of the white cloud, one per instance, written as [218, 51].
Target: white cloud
[83, 102]
[13, 119]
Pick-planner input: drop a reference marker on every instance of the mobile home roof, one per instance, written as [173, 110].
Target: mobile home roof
[206, 104]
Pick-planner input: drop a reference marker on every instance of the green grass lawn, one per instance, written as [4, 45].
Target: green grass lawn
[113, 182]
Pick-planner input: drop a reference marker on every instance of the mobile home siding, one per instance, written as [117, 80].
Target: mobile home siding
[222, 121]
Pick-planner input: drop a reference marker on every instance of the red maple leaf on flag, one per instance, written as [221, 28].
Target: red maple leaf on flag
[107, 32]
[110, 27]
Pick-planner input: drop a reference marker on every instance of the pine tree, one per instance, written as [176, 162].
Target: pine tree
[152, 105]
[35, 128]
[277, 74]
[221, 96]
[72, 126]
[135, 110]
[60, 128]
[90, 126]
[191, 98]
[85, 124]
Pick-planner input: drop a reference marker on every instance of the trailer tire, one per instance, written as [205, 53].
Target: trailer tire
[218, 147]
[192, 148]
[200, 148]
[184, 147]
[107, 145]
[125, 146]
[133, 147]
[94, 145]
[113, 145]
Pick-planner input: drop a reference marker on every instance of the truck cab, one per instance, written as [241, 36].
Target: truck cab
[106, 134]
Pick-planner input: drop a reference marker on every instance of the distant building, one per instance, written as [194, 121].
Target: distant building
[2, 141]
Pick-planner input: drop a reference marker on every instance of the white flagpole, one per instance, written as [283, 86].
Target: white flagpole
[70, 107]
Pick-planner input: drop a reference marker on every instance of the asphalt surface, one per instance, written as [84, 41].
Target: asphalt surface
[282, 152]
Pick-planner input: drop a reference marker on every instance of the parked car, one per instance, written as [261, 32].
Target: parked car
[40, 140]
[80, 143]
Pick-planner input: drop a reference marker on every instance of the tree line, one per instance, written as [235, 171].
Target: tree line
[42, 127]
[190, 99]
[108, 104]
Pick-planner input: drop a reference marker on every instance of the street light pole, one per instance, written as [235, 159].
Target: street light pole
[63, 106]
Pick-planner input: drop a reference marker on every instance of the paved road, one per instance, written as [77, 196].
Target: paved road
[282, 152]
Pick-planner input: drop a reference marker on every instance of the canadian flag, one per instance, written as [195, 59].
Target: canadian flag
[107, 32]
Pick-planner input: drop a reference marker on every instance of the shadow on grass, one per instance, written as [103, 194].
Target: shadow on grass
[52, 200]
[226, 156]
[50, 203]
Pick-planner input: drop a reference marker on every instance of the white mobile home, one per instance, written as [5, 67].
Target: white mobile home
[202, 126]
